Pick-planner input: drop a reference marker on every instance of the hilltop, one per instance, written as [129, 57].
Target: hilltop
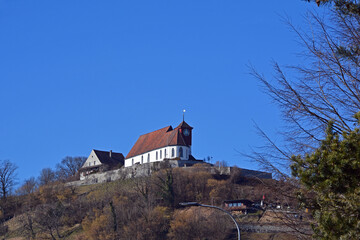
[143, 208]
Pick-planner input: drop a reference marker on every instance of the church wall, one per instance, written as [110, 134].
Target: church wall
[143, 158]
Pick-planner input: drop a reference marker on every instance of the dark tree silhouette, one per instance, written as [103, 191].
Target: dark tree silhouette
[47, 175]
[7, 177]
[69, 167]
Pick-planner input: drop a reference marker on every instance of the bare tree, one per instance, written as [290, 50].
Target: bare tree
[323, 88]
[144, 187]
[48, 218]
[69, 167]
[29, 186]
[165, 185]
[47, 175]
[7, 177]
[26, 220]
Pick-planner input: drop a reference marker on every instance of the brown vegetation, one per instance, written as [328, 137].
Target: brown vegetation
[140, 208]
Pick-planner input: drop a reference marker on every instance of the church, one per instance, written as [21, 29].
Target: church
[167, 143]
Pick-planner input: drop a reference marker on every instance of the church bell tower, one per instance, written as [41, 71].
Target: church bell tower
[186, 132]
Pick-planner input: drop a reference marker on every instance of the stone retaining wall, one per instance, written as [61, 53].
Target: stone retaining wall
[137, 170]
[143, 170]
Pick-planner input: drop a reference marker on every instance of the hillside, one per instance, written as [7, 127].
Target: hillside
[146, 208]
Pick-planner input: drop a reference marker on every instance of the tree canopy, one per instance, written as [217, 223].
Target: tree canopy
[319, 97]
[69, 167]
[331, 176]
[345, 6]
[322, 87]
[7, 177]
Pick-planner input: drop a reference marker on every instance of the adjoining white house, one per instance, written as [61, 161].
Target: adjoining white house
[101, 161]
[163, 144]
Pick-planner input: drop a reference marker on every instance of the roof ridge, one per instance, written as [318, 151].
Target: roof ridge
[156, 130]
[104, 151]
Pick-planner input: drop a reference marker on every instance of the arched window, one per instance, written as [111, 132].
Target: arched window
[148, 157]
[181, 152]
[165, 153]
[172, 152]
[160, 154]
[142, 159]
[156, 155]
[132, 161]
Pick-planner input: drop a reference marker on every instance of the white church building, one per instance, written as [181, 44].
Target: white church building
[167, 143]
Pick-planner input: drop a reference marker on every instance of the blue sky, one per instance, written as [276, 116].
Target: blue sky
[81, 75]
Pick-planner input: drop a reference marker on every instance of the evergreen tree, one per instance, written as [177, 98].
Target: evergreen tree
[330, 176]
[344, 6]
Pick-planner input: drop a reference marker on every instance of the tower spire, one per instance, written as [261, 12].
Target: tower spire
[184, 115]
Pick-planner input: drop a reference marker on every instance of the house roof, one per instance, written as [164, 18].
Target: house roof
[163, 137]
[104, 157]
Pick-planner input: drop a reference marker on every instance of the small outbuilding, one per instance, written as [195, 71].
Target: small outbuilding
[242, 206]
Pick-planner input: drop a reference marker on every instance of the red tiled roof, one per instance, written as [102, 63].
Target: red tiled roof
[163, 137]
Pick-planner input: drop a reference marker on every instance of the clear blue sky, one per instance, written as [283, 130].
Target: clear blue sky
[78, 75]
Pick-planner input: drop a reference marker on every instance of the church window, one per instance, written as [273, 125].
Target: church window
[132, 161]
[160, 154]
[156, 155]
[142, 159]
[148, 157]
[181, 152]
[165, 153]
[94, 162]
[172, 152]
